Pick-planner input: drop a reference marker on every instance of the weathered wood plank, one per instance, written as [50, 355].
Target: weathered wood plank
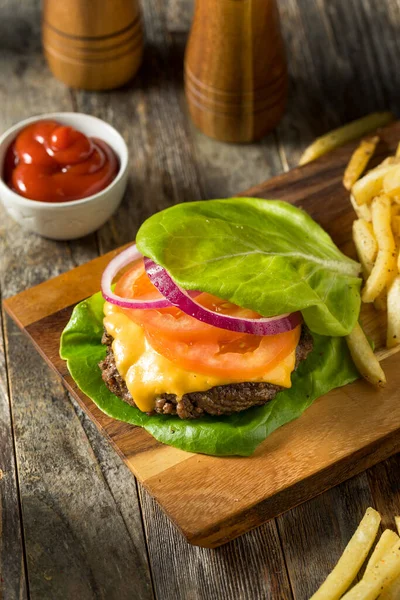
[124, 491]
[19, 32]
[326, 88]
[179, 14]
[251, 567]
[373, 79]
[40, 523]
[80, 542]
[315, 534]
[12, 562]
[77, 541]
[384, 480]
[224, 170]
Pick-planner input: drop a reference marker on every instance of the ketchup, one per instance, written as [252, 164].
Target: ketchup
[52, 162]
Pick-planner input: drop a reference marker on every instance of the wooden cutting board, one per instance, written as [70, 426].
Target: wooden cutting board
[212, 500]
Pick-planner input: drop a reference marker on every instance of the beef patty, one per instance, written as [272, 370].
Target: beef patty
[219, 400]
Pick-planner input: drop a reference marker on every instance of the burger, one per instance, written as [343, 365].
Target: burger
[227, 321]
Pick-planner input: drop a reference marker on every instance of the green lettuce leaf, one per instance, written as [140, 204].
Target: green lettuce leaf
[328, 366]
[266, 255]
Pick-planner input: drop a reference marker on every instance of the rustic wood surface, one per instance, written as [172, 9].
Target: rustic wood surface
[342, 64]
[213, 500]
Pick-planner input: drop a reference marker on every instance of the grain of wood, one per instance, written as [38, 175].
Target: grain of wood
[19, 33]
[224, 170]
[12, 561]
[123, 488]
[384, 480]
[251, 567]
[315, 534]
[65, 559]
[21, 63]
[78, 544]
[334, 51]
[179, 15]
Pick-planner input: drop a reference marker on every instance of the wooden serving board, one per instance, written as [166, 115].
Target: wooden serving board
[210, 499]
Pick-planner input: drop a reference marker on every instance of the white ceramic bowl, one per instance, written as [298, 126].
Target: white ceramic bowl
[67, 220]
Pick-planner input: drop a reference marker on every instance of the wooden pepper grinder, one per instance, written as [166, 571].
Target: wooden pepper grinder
[92, 44]
[235, 69]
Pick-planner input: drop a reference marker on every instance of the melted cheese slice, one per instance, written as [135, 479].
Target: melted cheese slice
[147, 374]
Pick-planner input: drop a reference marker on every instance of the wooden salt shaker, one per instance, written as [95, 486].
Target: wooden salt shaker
[92, 44]
[235, 69]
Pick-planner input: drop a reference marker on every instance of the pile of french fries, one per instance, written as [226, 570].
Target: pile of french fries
[381, 577]
[376, 233]
[375, 197]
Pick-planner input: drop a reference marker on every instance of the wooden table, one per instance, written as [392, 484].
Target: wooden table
[73, 521]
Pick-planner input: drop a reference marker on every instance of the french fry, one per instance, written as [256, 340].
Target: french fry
[380, 301]
[385, 264]
[364, 358]
[395, 210]
[379, 578]
[376, 201]
[365, 243]
[381, 211]
[345, 134]
[356, 551]
[393, 314]
[391, 182]
[368, 187]
[396, 224]
[385, 543]
[392, 592]
[363, 211]
[381, 274]
[359, 160]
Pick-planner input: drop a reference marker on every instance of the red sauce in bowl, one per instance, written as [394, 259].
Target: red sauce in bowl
[52, 162]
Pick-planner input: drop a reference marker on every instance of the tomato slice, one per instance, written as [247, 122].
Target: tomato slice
[247, 356]
[197, 346]
[134, 283]
[172, 322]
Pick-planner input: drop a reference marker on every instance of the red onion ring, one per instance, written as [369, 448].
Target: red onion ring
[181, 298]
[123, 259]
